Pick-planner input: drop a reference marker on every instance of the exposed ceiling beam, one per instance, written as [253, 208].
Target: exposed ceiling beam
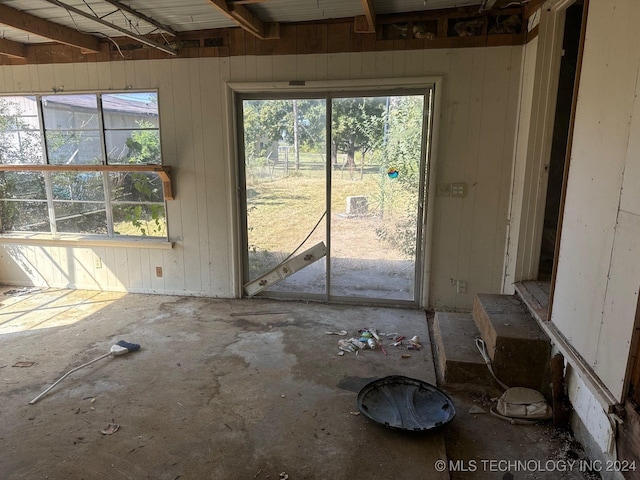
[44, 28]
[246, 2]
[118, 28]
[142, 16]
[247, 20]
[12, 49]
[370, 14]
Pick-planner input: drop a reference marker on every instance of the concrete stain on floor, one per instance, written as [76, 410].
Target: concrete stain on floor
[221, 389]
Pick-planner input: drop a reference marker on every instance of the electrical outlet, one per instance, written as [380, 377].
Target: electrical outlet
[459, 190]
[443, 190]
[461, 286]
[97, 262]
[158, 271]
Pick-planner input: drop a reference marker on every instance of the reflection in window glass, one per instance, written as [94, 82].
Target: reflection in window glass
[71, 112]
[77, 186]
[79, 129]
[147, 220]
[21, 185]
[128, 110]
[79, 148]
[80, 217]
[131, 128]
[135, 187]
[78, 202]
[25, 216]
[133, 146]
[137, 202]
[23, 202]
[20, 140]
[72, 125]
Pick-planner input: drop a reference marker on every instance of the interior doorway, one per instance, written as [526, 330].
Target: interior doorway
[341, 176]
[561, 140]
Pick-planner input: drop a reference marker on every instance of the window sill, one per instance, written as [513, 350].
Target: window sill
[71, 240]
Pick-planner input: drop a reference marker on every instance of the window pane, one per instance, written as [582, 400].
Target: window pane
[20, 140]
[78, 186]
[139, 219]
[130, 110]
[79, 217]
[24, 216]
[133, 146]
[70, 112]
[22, 185]
[136, 187]
[79, 147]
[24, 202]
[72, 130]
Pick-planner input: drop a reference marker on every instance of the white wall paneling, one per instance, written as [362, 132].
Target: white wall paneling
[596, 293]
[475, 139]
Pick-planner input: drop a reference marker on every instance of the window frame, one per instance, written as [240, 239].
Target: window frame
[105, 168]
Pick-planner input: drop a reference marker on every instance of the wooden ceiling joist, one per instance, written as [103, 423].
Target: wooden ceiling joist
[135, 13]
[247, 20]
[367, 22]
[246, 2]
[12, 49]
[44, 28]
[124, 31]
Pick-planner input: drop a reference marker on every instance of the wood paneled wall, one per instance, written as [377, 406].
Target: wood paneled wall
[599, 268]
[476, 143]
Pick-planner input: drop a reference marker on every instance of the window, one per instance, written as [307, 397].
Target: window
[74, 131]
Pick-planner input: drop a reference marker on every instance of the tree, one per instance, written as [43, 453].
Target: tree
[402, 153]
[267, 123]
[357, 125]
[19, 142]
[141, 188]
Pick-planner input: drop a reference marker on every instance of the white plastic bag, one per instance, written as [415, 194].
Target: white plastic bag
[523, 403]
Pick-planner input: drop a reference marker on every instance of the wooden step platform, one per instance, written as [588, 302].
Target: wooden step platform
[458, 358]
[518, 348]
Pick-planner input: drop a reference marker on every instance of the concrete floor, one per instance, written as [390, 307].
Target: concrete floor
[217, 391]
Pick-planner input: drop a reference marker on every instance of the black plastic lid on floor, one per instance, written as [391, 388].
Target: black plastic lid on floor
[405, 403]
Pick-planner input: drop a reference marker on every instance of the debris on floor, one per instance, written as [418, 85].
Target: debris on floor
[110, 429]
[24, 364]
[18, 292]
[476, 410]
[353, 345]
[371, 339]
[120, 348]
[404, 403]
[414, 343]
[232, 372]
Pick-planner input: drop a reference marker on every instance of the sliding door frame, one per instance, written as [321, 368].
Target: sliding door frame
[429, 87]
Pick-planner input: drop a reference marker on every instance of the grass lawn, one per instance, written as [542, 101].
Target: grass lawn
[282, 211]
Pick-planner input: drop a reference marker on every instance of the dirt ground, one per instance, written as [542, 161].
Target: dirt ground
[229, 389]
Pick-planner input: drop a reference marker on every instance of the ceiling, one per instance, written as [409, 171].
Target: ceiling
[81, 22]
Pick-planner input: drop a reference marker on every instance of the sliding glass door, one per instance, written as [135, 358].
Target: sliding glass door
[333, 195]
